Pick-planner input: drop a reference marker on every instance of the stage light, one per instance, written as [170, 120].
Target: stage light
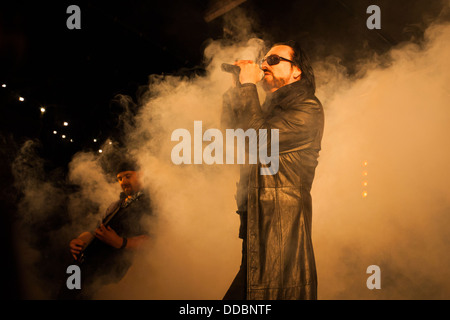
[4, 85]
[21, 99]
[71, 140]
[65, 124]
[55, 132]
[42, 109]
[100, 151]
[63, 136]
[95, 140]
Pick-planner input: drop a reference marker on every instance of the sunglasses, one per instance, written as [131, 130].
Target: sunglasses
[274, 59]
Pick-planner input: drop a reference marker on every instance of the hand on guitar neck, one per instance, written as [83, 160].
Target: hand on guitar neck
[106, 235]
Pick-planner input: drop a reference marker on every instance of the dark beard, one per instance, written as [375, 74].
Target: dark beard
[273, 83]
[128, 192]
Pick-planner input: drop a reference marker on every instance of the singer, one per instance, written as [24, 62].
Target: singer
[276, 211]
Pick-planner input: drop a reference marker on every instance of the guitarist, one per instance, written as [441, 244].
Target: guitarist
[105, 255]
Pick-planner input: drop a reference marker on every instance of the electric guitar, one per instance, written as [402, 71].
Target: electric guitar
[125, 202]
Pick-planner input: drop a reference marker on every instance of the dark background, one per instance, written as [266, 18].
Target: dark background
[75, 74]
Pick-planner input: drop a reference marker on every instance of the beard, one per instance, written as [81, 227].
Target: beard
[271, 82]
[128, 190]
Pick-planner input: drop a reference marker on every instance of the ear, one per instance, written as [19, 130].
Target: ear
[297, 73]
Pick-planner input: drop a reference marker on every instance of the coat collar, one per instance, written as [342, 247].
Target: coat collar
[283, 96]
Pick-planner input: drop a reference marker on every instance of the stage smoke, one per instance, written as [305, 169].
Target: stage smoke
[379, 197]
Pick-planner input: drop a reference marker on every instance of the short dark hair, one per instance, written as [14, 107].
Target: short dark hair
[301, 60]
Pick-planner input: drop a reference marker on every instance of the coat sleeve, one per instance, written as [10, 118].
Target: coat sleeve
[298, 124]
[232, 109]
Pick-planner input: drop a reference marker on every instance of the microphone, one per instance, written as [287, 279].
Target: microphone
[231, 68]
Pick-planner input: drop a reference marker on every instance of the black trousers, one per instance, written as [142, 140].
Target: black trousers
[238, 288]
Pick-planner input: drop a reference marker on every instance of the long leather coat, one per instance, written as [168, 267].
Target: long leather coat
[277, 227]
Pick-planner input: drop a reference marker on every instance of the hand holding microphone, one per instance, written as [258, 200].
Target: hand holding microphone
[247, 71]
[231, 68]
